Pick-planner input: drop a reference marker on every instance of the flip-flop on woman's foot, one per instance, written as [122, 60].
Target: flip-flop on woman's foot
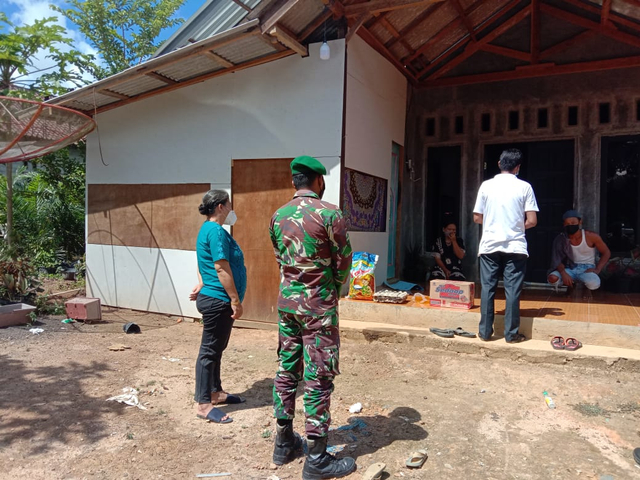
[215, 415]
[228, 399]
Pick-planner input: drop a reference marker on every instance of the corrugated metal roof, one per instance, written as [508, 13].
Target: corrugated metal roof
[190, 67]
[213, 17]
[304, 12]
[245, 49]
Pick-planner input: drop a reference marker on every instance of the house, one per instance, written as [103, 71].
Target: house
[409, 114]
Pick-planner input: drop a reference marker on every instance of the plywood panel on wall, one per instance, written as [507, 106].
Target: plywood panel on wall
[153, 216]
[259, 188]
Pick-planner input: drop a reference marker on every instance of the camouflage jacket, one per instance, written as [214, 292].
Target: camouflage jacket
[312, 247]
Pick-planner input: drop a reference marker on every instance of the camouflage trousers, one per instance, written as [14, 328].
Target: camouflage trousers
[308, 348]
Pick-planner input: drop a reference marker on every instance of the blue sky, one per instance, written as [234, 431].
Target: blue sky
[26, 11]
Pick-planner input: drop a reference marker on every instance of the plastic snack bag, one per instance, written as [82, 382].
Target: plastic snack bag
[362, 282]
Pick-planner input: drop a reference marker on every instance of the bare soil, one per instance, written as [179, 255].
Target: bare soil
[479, 418]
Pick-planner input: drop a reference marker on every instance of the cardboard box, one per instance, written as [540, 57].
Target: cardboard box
[84, 308]
[451, 294]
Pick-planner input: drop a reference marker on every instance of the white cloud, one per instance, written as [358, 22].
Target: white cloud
[27, 11]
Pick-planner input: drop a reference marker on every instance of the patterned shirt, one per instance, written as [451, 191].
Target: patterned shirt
[312, 247]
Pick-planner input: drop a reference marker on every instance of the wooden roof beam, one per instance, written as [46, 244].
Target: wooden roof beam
[336, 7]
[534, 42]
[472, 48]
[465, 20]
[613, 16]
[416, 22]
[368, 37]
[606, 30]
[379, 6]
[453, 25]
[117, 95]
[275, 17]
[606, 11]
[242, 5]
[320, 19]
[218, 59]
[533, 71]
[288, 39]
[162, 78]
[564, 45]
[359, 22]
[506, 52]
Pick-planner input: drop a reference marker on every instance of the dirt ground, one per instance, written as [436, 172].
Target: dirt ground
[479, 418]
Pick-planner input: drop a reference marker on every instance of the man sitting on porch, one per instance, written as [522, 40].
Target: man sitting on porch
[573, 254]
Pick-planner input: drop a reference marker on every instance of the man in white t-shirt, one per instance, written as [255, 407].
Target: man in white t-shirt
[505, 207]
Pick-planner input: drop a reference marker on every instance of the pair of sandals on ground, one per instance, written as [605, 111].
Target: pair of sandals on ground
[216, 415]
[449, 333]
[560, 343]
[415, 460]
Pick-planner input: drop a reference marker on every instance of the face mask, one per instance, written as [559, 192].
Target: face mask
[571, 229]
[231, 219]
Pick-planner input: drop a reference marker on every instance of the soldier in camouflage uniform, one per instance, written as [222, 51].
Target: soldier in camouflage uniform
[312, 247]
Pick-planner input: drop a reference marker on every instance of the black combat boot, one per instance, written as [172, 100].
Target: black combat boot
[288, 443]
[320, 464]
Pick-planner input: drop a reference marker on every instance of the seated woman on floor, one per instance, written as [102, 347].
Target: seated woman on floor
[448, 250]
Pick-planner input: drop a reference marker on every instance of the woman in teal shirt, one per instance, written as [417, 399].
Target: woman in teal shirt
[219, 293]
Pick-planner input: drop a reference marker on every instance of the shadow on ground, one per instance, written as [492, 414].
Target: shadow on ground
[49, 404]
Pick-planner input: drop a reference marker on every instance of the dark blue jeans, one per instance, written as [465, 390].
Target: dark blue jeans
[513, 267]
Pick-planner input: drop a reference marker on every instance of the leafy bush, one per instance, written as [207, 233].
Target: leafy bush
[18, 282]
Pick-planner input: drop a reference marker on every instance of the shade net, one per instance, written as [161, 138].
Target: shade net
[31, 129]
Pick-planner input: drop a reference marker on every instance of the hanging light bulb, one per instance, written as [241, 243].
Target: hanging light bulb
[325, 51]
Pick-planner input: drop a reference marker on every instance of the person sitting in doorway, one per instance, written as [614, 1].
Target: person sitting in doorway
[573, 255]
[448, 251]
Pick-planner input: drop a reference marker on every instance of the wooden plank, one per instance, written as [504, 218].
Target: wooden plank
[259, 187]
[288, 39]
[274, 18]
[474, 47]
[356, 25]
[534, 41]
[465, 20]
[533, 71]
[326, 15]
[368, 37]
[336, 7]
[506, 52]
[606, 30]
[162, 78]
[202, 78]
[564, 45]
[242, 5]
[117, 95]
[378, 6]
[221, 60]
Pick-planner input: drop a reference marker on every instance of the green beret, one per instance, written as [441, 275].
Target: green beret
[306, 164]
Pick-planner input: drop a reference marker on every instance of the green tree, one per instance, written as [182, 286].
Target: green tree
[20, 47]
[124, 32]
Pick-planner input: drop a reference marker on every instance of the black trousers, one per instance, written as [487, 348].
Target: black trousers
[216, 317]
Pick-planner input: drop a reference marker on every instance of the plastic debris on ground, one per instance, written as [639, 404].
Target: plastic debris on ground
[355, 408]
[335, 448]
[211, 475]
[171, 359]
[68, 320]
[36, 331]
[128, 397]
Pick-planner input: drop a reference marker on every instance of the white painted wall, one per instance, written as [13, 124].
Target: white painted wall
[375, 117]
[282, 109]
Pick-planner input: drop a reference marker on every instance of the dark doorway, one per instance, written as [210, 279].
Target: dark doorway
[548, 167]
[619, 215]
[443, 189]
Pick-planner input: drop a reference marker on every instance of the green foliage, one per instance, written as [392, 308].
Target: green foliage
[18, 282]
[46, 307]
[124, 32]
[48, 205]
[21, 45]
